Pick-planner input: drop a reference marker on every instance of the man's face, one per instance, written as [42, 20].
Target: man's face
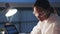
[40, 13]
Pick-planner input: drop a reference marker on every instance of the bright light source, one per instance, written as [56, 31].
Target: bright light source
[11, 12]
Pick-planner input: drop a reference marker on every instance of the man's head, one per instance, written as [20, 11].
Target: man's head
[42, 9]
[7, 5]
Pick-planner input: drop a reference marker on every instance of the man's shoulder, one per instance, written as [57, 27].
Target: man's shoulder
[55, 16]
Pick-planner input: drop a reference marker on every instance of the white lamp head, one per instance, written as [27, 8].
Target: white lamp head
[11, 12]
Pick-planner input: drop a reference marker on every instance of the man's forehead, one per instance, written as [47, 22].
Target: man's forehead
[35, 9]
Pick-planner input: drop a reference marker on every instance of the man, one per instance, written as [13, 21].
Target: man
[49, 22]
[4, 11]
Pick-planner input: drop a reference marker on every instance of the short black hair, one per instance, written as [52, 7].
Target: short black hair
[44, 4]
